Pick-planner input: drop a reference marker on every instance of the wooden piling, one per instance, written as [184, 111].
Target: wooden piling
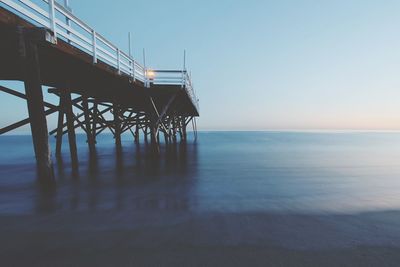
[137, 138]
[184, 133]
[94, 121]
[146, 135]
[166, 137]
[117, 125]
[180, 127]
[88, 125]
[37, 116]
[71, 128]
[154, 135]
[174, 129]
[60, 127]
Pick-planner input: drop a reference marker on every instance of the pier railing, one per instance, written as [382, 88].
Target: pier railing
[173, 77]
[65, 25]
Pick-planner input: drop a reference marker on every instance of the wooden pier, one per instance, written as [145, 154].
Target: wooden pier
[90, 75]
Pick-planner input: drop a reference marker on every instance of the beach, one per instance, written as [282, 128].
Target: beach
[113, 239]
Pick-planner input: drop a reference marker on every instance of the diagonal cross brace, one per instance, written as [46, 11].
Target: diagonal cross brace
[23, 96]
[163, 112]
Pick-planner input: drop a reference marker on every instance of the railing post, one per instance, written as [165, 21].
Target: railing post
[183, 79]
[66, 4]
[67, 20]
[52, 17]
[145, 78]
[133, 70]
[118, 61]
[94, 43]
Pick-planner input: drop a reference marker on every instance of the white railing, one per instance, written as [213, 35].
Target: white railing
[173, 77]
[66, 26]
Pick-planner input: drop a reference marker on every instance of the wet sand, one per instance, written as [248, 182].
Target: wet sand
[181, 239]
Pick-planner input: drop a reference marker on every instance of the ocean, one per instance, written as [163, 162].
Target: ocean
[221, 171]
[292, 193]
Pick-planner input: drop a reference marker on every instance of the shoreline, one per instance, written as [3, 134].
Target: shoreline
[169, 238]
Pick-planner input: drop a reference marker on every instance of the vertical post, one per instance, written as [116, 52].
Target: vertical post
[60, 127]
[137, 129]
[66, 5]
[146, 136]
[131, 60]
[154, 136]
[169, 129]
[184, 134]
[117, 125]
[166, 137]
[94, 121]
[144, 68]
[67, 20]
[71, 128]
[118, 61]
[129, 43]
[153, 133]
[184, 69]
[183, 79]
[88, 125]
[37, 116]
[133, 70]
[52, 17]
[184, 60]
[194, 128]
[94, 44]
[174, 129]
[180, 128]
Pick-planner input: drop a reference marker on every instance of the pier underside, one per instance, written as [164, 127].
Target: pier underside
[28, 54]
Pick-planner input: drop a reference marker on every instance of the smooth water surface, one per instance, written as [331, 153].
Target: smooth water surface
[235, 172]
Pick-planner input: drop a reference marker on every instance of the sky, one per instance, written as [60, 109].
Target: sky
[266, 65]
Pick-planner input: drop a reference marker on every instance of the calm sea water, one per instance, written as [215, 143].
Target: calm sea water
[235, 172]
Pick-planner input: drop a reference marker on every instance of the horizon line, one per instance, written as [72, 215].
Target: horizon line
[266, 131]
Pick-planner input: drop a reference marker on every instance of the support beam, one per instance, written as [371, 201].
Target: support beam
[88, 126]
[137, 137]
[183, 125]
[174, 129]
[154, 137]
[37, 116]
[161, 115]
[71, 129]
[94, 121]
[22, 122]
[21, 95]
[60, 127]
[146, 135]
[166, 137]
[79, 124]
[179, 122]
[117, 125]
[194, 128]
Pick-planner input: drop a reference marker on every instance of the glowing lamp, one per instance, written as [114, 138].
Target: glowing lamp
[150, 74]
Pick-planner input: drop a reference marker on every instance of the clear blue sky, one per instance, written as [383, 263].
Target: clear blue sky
[260, 65]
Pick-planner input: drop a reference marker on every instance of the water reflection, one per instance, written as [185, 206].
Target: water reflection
[124, 179]
[240, 172]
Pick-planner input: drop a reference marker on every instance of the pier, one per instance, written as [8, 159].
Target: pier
[46, 45]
